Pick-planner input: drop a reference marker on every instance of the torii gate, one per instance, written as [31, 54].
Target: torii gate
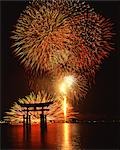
[27, 118]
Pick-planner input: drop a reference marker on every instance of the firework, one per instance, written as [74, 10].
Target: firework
[15, 115]
[93, 40]
[41, 35]
[52, 83]
[71, 84]
[61, 35]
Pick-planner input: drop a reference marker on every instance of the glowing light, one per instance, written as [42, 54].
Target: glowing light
[66, 84]
[67, 137]
[64, 87]
[65, 107]
[69, 80]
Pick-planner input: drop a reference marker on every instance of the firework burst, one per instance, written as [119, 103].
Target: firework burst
[93, 39]
[51, 85]
[40, 36]
[77, 86]
[61, 35]
[15, 115]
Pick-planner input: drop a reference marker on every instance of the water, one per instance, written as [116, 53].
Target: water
[61, 136]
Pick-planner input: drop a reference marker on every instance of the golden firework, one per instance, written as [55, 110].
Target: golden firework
[61, 35]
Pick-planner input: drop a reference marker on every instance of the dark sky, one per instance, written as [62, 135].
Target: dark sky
[103, 97]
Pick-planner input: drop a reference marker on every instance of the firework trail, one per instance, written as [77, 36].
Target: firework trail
[15, 115]
[61, 35]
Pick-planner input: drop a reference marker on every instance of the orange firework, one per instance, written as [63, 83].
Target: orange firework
[61, 35]
[41, 37]
[93, 40]
[15, 115]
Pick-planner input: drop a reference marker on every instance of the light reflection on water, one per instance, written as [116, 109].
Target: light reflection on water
[61, 136]
[66, 141]
[70, 139]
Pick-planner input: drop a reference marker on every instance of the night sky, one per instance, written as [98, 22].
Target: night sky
[102, 98]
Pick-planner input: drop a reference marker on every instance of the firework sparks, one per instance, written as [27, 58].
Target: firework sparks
[63, 90]
[64, 87]
[40, 35]
[15, 115]
[53, 84]
[71, 84]
[60, 35]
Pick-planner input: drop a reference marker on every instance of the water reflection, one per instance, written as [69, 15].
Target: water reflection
[27, 136]
[63, 136]
[43, 134]
[27, 133]
[66, 140]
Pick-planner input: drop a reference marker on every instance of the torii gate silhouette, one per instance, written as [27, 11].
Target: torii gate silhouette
[27, 117]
